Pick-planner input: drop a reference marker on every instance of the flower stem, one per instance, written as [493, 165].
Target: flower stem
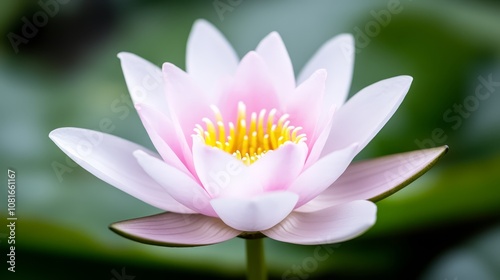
[256, 265]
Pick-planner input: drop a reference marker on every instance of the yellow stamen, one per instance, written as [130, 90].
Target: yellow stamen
[218, 115]
[222, 130]
[253, 136]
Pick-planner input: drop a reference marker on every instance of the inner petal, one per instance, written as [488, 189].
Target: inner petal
[251, 135]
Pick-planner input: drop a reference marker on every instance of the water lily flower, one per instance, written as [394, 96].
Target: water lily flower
[246, 149]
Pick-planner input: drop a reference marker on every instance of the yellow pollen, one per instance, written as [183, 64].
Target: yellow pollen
[253, 136]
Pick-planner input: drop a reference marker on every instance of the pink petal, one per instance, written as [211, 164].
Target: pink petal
[305, 103]
[223, 175]
[331, 225]
[255, 213]
[362, 117]
[188, 104]
[162, 133]
[375, 179]
[337, 57]
[274, 53]
[277, 169]
[209, 57]
[323, 132]
[144, 81]
[252, 85]
[187, 101]
[175, 230]
[220, 172]
[110, 159]
[322, 174]
[180, 186]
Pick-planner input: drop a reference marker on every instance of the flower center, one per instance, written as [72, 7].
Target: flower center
[252, 137]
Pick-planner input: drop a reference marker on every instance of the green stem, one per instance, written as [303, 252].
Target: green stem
[256, 264]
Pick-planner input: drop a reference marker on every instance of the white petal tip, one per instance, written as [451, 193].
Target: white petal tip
[404, 79]
[201, 23]
[252, 54]
[53, 134]
[127, 55]
[273, 36]
[321, 73]
[346, 37]
[139, 154]
[345, 41]
[167, 66]
[120, 55]
[58, 135]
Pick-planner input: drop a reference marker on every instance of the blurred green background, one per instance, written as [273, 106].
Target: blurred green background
[446, 225]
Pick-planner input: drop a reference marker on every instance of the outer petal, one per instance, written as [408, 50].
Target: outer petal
[273, 51]
[162, 133]
[176, 230]
[362, 117]
[337, 57]
[331, 225]
[322, 174]
[110, 159]
[144, 81]
[256, 213]
[209, 57]
[376, 178]
[180, 186]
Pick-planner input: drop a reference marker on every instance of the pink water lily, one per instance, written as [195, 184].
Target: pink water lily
[245, 149]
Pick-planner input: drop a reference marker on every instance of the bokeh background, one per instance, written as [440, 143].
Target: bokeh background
[446, 225]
